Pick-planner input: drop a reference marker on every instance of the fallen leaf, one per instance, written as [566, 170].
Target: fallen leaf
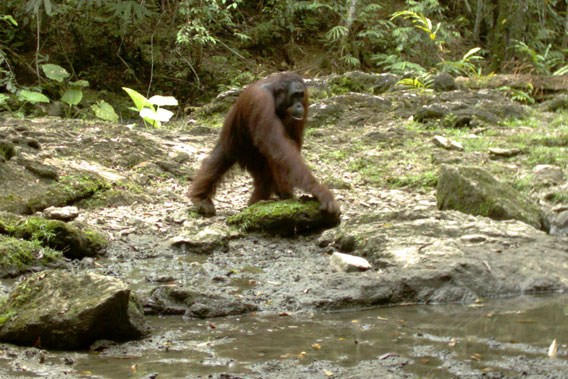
[328, 373]
[525, 321]
[386, 355]
[553, 349]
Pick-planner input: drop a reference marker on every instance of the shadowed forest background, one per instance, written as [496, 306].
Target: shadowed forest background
[194, 49]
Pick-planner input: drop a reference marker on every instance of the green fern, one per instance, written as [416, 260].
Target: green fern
[336, 33]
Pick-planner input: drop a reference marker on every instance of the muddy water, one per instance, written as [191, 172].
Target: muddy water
[499, 338]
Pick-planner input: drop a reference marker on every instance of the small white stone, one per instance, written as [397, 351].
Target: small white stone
[63, 213]
[447, 143]
[441, 142]
[455, 145]
[495, 151]
[348, 263]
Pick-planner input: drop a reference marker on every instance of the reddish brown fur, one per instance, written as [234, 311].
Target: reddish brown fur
[264, 143]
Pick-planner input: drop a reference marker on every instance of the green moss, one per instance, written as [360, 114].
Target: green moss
[263, 209]
[54, 234]
[18, 256]
[7, 222]
[68, 190]
[475, 191]
[36, 229]
[20, 295]
[420, 180]
[283, 217]
[344, 84]
[7, 150]
[119, 194]
[8, 202]
[214, 121]
[96, 240]
[4, 317]
[318, 94]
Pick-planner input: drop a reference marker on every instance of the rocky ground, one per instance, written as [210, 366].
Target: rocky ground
[381, 164]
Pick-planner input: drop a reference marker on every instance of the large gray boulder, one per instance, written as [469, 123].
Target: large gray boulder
[285, 217]
[475, 191]
[182, 301]
[60, 310]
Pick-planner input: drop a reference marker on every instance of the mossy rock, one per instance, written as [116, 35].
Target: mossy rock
[475, 191]
[70, 311]
[287, 217]
[18, 256]
[70, 239]
[67, 190]
[361, 82]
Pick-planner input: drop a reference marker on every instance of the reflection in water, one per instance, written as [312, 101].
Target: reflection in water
[506, 336]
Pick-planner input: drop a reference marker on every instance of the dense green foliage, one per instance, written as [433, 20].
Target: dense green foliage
[192, 49]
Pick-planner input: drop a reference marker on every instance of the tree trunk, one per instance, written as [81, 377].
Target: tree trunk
[510, 23]
[565, 37]
[498, 37]
[478, 19]
[349, 21]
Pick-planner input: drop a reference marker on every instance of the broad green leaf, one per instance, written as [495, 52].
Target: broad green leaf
[3, 98]
[163, 100]
[55, 72]
[470, 53]
[32, 97]
[159, 115]
[48, 9]
[79, 83]
[139, 100]
[104, 111]
[561, 71]
[72, 96]
[10, 19]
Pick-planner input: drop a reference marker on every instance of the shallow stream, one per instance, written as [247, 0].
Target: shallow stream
[502, 338]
